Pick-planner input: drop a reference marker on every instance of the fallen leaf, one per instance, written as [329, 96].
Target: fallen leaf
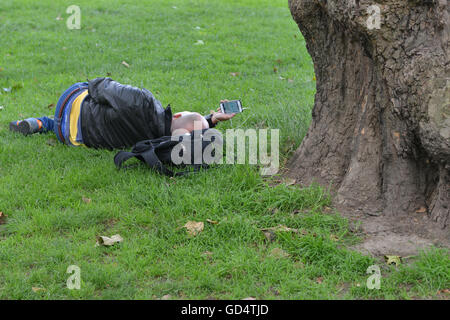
[86, 200]
[421, 210]
[289, 182]
[199, 43]
[2, 218]
[108, 241]
[447, 291]
[125, 64]
[212, 221]
[269, 235]
[280, 228]
[393, 260]
[275, 291]
[194, 227]
[319, 280]
[37, 289]
[166, 297]
[249, 298]
[333, 237]
[279, 253]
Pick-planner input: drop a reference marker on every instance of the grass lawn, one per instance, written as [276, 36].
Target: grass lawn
[252, 50]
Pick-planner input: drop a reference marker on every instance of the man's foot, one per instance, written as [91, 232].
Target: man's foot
[26, 127]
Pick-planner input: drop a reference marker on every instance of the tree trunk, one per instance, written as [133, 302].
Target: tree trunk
[380, 132]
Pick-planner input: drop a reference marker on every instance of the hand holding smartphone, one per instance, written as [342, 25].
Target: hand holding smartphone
[233, 106]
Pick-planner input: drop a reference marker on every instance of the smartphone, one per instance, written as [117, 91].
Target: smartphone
[233, 106]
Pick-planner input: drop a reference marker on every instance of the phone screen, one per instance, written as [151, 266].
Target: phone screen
[231, 107]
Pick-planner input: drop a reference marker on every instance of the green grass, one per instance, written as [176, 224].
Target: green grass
[42, 186]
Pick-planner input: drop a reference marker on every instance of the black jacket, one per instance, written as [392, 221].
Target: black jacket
[118, 116]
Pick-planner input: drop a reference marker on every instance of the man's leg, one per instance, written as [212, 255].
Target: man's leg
[32, 125]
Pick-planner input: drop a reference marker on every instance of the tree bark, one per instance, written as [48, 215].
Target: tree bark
[380, 131]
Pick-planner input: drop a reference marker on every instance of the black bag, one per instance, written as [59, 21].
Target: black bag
[157, 152]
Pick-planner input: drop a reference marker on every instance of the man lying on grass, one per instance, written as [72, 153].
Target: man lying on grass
[103, 113]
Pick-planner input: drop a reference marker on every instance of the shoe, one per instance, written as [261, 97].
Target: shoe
[26, 127]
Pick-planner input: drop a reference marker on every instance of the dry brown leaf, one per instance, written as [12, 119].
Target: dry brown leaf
[194, 227]
[280, 228]
[289, 182]
[86, 200]
[333, 237]
[125, 64]
[319, 280]
[279, 253]
[2, 218]
[397, 260]
[212, 221]
[108, 241]
[421, 210]
[270, 235]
